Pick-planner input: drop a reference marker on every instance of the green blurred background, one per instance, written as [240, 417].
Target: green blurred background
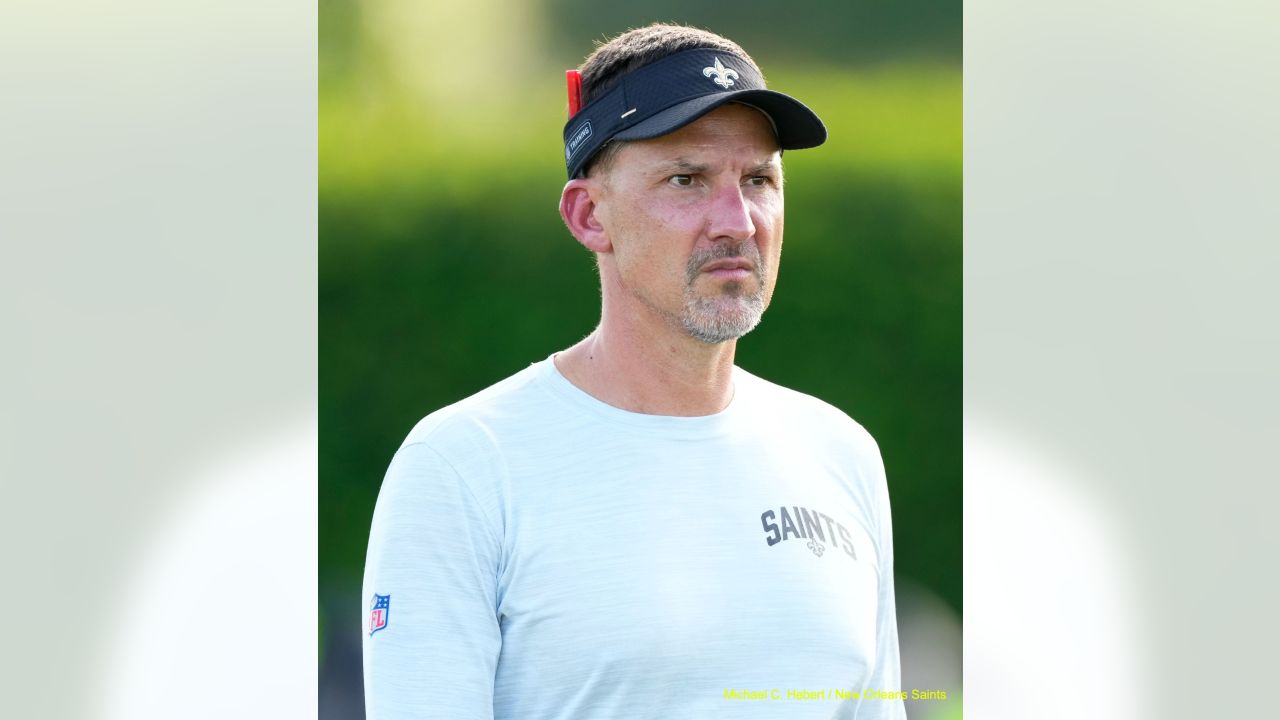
[444, 266]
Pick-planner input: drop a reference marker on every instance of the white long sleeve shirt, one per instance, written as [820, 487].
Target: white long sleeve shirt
[537, 554]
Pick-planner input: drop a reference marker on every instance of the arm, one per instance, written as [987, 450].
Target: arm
[887, 673]
[434, 555]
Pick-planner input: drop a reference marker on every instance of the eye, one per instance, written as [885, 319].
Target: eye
[681, 180]
[761, 180]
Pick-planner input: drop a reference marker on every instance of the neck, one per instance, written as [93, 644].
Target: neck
[644, 364]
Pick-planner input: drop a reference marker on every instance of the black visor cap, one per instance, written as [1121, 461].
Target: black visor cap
[664, 96]
[796, 126]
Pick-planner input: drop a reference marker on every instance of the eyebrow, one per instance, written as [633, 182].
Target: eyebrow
[689, 167]
[682, 165]
[766, 166]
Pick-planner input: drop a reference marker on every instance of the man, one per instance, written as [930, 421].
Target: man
[634, 527]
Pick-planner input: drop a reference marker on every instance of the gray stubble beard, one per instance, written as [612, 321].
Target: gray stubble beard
[707, 318]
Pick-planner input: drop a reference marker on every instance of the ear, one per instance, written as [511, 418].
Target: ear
[578, 206]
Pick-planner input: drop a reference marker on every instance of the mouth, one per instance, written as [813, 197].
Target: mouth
[730, 269]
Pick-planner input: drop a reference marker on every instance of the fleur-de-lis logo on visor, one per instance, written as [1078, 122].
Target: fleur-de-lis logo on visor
[723, 76]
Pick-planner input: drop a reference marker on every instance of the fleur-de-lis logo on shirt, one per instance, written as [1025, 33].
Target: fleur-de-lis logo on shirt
[723, 76]
[816, 547]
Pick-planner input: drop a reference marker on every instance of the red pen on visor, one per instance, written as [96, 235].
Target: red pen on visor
[574, 80]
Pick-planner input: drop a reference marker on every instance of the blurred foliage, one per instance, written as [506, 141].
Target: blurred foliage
[803, 31]
[444, 266]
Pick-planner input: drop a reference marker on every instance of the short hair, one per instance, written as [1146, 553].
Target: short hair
[604, 68]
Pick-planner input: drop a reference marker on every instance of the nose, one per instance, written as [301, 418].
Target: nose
[730, 216]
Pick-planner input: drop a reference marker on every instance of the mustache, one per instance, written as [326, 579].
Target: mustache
[718, 251]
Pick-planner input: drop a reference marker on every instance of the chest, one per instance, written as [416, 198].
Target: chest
[742, 566]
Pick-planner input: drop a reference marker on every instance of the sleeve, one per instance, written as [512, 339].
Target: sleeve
[430, 629]
[887, 674]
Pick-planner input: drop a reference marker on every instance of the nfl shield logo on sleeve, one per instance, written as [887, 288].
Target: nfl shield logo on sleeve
[378, 611]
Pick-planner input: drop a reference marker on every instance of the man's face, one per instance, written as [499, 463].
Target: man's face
[695, 221]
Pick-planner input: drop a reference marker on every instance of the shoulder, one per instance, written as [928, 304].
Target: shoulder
[822, 428]
[472, 420]
[477, 437]
[807, 413]
[458, 446]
